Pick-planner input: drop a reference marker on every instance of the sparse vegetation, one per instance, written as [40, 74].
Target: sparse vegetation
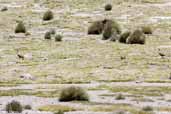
[59, 112]
[73, 93]
[14, 106]
[20, 28]
[140, 72]
[48, 15]
[147, 108]
[56, 108]
[120, 112]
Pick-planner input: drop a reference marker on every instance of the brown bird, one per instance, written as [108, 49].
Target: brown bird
[161, 54]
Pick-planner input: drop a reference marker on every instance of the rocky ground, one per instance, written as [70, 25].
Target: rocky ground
[143, 77]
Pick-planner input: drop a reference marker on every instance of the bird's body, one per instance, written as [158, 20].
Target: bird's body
[20, 56]
[161, 54]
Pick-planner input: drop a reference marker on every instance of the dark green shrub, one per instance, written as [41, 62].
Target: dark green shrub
[47, 35]
[137, 37]
[58, 38]
[147, 30]
[27, 107]
[119, 97]
[48, 15]
[110, 27]
[147, 108]
[124, 36]
[20, 28]
[73, 93]
[108, 7]
[96, 27]
[14, 106]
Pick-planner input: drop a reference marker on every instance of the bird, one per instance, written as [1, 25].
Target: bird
[20, 56]
[161, 54]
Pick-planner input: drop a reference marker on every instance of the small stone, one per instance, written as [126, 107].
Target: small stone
[27, 76]
[28, 56]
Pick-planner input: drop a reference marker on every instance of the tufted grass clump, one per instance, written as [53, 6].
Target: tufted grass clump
[52, 31]
[20, 28]
[136, 37]
[124, 37]
[48, 15]
[27, 107]
[111, 26]
[108, 7]
[147, 30]
[73, 93]
[147, 108]
[120, 97]
[14, 106]
[58, 38]
[47, 35]
[96, 28]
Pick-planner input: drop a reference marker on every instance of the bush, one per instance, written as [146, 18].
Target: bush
[47, 35]
[48, 15]
[27, 107]
[109, 28]
[108, 7]
[73, 93]
[124, 36]
[58, 38]
[137, 37]
[147, 108]
[14, 106]
[52, 31]
[96, 27]
[20, 28]
[119, 97]
[147, 30]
